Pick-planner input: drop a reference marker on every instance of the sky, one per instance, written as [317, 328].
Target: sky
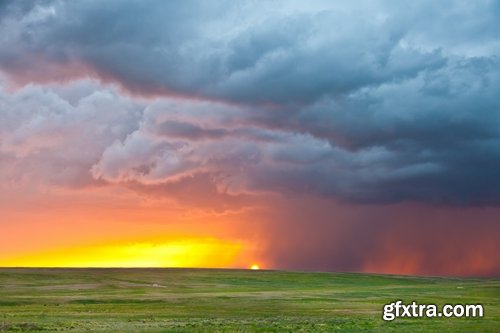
[359, 136]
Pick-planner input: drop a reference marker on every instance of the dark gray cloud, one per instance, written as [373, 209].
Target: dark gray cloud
[188, 131]
[368, 102]
[246, 54]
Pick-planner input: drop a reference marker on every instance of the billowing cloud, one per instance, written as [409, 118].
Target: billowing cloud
[48, 139]
[381, 96]
[280, 57]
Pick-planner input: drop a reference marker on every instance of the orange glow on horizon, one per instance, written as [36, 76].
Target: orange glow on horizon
[121, 230]
[198, 252]
[255, 267]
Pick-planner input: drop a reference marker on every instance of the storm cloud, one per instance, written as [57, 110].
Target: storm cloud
[364, 102]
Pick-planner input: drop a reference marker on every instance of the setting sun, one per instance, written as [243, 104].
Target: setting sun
[255, 267]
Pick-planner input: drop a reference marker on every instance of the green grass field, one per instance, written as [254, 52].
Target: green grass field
[204, 300]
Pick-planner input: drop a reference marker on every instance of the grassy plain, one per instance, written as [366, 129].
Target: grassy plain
[209, 300]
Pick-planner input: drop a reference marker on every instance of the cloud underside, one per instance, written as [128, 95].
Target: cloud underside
[365, 103]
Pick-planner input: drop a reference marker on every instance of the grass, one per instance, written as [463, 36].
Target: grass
[205, 300]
